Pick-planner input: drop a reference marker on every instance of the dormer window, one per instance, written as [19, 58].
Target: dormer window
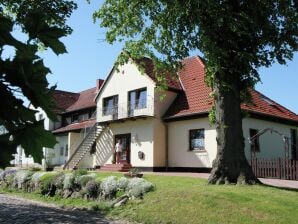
[110, 105]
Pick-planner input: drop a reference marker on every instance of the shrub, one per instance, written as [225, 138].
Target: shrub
[92, 189]
[81, 181]
[35, 179]
[108, 187]
[80, 172]
[69, 181]
[137, 187]
[21, 179]
[7, 177]
[46, 184]
[122, 183]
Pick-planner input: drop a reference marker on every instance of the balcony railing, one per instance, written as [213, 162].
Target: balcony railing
[127, 110]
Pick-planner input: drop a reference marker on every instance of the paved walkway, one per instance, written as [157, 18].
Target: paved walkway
[272, 182]
[17, 210]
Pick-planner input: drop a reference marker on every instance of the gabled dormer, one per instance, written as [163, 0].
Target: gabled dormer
[128, 93]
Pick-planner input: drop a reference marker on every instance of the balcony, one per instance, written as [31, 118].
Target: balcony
[127, 110]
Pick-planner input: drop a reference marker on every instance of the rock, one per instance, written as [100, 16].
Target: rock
[120, 201]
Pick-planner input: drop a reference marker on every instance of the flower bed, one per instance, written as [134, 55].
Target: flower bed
[76, 184]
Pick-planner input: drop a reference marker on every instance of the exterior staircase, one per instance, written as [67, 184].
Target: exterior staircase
[115, 167]
[84, 147]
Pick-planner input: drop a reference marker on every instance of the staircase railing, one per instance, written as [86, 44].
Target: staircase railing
[94, 127]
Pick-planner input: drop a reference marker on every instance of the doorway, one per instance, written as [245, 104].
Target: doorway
[125, 141]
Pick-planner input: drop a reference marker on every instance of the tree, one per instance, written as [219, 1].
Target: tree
[23, 75]
[236, 38]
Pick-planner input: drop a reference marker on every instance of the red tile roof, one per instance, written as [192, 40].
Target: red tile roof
[86, 99]
[172, 81]
[63, 100]
[195, 98]
[75, 126]
[68, 101]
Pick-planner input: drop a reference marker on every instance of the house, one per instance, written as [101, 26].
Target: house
[75, 114]
[173, 134]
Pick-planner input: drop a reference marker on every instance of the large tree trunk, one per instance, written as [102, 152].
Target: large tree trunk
[230, 164]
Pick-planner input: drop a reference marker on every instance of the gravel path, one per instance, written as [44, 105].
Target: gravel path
[18, 210]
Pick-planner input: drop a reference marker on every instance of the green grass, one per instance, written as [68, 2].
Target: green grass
[191, 200]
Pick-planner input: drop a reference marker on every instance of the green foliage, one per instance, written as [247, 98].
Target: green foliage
[23, 75]
[92, 189]
[122, 183]
[46, 184]
[69, 181]
[22, 177]
[235, 37]
[137, 187]
[80, 172]
[108, 187]
[83, 180]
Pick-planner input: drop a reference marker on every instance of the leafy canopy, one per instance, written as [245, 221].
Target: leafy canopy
[23, 75]
[236, 37]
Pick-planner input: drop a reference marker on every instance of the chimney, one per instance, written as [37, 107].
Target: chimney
[99, 82]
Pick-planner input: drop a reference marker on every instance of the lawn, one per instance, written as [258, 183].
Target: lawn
[191, 200]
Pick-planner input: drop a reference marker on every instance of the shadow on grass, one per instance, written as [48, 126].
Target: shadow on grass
[280, 188]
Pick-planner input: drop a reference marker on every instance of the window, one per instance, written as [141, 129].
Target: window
[61, 151]
[197, 139]
[255, 144]
[74, 118]
[137, 99]
[294, 151]
[110, 105]
[66, 150]
[83, 117]
[40, 117]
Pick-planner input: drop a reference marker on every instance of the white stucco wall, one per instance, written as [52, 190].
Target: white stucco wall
[53, 155]
[271, 144]
[141, 131]
[128, 78]
[178, 135]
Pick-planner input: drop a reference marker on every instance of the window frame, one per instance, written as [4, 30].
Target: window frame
[190, 141]
[115, 105]
[294, 147]
[137, 99]
[256, 141]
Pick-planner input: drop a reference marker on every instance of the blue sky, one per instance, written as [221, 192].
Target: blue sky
[90, 58]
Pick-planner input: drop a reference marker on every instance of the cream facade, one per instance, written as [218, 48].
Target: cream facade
[163, 144]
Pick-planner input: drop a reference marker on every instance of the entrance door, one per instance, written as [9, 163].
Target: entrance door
[125, 141]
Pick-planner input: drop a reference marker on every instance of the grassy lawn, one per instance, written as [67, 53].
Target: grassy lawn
[191, 200]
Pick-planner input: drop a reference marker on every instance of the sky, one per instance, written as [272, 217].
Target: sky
[90, 57]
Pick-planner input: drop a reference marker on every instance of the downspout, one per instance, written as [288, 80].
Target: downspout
[167, 146]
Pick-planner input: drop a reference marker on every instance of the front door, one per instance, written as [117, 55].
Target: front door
[125, 141]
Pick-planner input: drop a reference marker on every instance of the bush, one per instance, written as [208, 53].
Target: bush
[81, 181]
[21, 179]
[137, 187]
[46, 184]
[108, 187]
[122, 183]
[92, 189]
[69, 181]
[7, 177]
[35, 179]
[80, 172]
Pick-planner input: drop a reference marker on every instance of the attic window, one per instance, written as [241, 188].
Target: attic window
[267, 100]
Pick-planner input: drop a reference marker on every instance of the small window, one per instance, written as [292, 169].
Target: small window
[294, 150]
[197, 139]
[40, 117]
[75, 118]
[61, 151]
[110, 105]
[66, 150]
[255, 144]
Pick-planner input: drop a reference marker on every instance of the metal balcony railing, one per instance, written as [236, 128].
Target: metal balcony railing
[129, 109]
